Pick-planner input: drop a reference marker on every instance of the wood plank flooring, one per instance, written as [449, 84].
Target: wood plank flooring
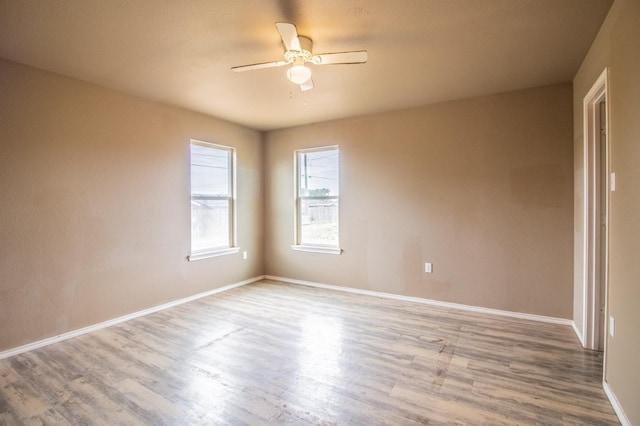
[273, 353]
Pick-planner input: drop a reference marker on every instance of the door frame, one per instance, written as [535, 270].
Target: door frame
[592, 244]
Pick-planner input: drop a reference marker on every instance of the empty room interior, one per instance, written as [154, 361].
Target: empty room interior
[320, 212]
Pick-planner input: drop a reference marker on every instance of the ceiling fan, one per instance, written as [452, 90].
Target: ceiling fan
[298, 53]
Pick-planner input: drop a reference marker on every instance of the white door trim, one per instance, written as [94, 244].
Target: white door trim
[591, 216]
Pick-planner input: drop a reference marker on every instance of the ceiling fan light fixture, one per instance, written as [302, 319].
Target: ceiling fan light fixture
[299, 52]
[299, 74]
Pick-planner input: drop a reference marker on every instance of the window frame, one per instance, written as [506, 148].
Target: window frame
[313, 247]
[231, 248]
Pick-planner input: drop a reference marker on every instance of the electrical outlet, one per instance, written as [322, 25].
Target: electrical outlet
[612, 326]
[244, 255]
[428, 267]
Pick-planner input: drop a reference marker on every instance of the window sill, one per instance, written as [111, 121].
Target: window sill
[213, 253]
[318, 249]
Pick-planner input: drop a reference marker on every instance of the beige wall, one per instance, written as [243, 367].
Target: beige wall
[618, 47]
[481, 187]
[95, 217]
[592, 66]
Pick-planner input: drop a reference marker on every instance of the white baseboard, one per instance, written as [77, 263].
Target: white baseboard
[108, 323]
[578, 333]
[448, 305]
[624, 420]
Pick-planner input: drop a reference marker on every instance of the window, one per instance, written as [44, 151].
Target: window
[317, 200]
[212, 200]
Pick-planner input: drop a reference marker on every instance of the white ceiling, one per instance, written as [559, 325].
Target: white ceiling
[420, 51]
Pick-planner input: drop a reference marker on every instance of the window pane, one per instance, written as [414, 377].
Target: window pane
[211, 192]
[209, 224]
[319, 221]
[209, 171]
[318, 173]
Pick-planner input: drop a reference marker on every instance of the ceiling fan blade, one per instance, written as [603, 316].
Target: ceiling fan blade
[356, 57]
[289, 35]
[259, 66]
[307, 85]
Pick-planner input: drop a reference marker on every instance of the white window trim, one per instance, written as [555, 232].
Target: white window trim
[232, 249]
[212, 253]
[317, 249]
[311, 248]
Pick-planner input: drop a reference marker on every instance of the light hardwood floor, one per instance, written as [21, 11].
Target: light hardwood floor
[273, 353]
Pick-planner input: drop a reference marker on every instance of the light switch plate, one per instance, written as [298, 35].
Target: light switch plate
[612, 326]
[612, 181]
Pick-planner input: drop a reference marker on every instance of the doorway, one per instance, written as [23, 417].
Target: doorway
[596, 214]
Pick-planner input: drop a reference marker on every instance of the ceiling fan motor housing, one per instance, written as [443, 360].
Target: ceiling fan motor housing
[306, 47]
